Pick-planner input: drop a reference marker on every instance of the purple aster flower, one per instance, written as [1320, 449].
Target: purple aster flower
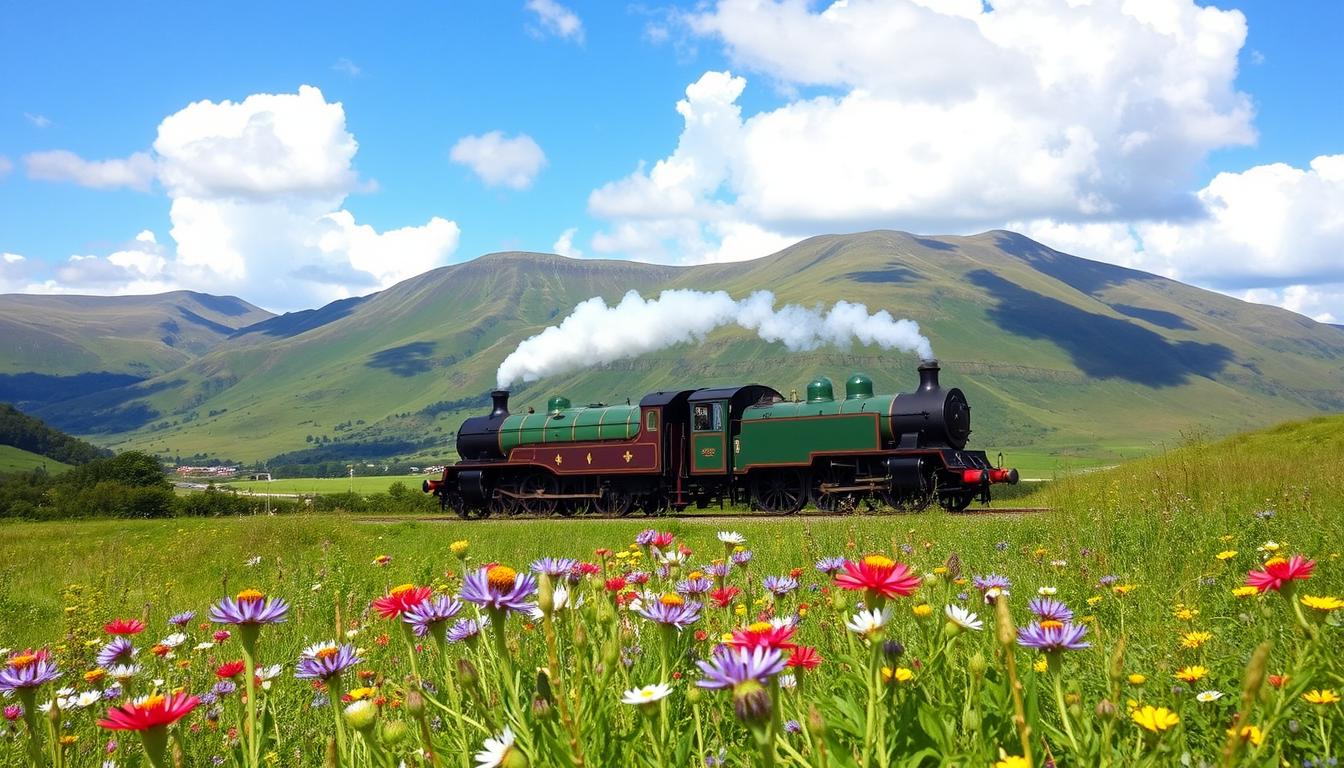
[742, 558]
[730, 667]
[1050, 609]
[645, 537]
[991, 581]
[118, 651]
[792, 726]
[696, 586]
[181, 619]
[718, 570]
[112, 692]
[830, 565]
[27, 670]
[1052, 639]
[467, 629]
[431, 614]
[500, 588]
[780, 585]
[327, 663]
[1108, 580]
[716, 761]
[1002, 546]
[554, 566]
[671, 610]
[319, 701]
[208, 698]
[250, 607]
[224, 688]
[637, 577]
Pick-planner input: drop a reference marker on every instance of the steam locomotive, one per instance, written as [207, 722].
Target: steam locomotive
[728, 444]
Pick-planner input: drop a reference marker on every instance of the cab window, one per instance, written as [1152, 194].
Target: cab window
[651, 423]
[707, 417]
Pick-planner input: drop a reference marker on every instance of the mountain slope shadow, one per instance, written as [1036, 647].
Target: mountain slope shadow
[406, 360]
[1102, 347]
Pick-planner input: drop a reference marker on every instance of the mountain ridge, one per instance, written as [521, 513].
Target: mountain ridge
[1056, 352]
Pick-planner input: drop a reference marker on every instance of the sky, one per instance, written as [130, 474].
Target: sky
[296, 153]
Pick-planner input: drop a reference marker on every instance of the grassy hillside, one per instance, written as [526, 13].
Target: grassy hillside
[18, 460]
[1060, 356]
[50, 341]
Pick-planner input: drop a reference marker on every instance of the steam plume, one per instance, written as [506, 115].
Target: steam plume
[595, 334]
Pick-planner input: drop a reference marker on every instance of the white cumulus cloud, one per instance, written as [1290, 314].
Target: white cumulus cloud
[134, 172]
[564, 244]
[500, 161]
[552, 18]
[256, 190]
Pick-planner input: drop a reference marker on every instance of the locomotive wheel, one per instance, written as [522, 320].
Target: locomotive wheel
[832, 502]
[956, 502]
[612, 503]
[782, 492]
[454, 501]
[534, 484]
[654, 505]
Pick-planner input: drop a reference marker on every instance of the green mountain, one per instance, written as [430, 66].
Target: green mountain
[25, 433]
[18, 460]
[1057, 354]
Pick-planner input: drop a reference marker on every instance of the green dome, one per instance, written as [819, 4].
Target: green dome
[820, 390]
[858, 387]
[557, 403]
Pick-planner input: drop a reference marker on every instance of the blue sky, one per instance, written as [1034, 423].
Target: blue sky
[594, 87]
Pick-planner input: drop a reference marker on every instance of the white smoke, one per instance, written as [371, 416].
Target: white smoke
[596, 334]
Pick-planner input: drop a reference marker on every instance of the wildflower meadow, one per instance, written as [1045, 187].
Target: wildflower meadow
[1146, 620]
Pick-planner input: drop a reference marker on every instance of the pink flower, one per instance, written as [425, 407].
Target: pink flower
[1278, 572]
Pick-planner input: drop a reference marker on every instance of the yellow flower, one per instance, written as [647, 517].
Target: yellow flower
[1192, 673]
[1322, 604]
[899, 675]
[1012, 761]
[68, 740]
[1137, 679]
[740, 610]
[1248, 733]
[1194, 640]
[1185, 612]
[459, 547]
[358, 694]
[1226, 554]
[1124, 589]
[1093, 600]
[1040, 552]
[1246, 591]
[940, 570]
[1225, 538]
[922, 611]
[1155, 719]
[1323, 696]
[1040, 665]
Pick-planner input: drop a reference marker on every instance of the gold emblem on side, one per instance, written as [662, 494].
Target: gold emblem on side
[558, 459]
[628, 456]
[709, 453]
[590, 458]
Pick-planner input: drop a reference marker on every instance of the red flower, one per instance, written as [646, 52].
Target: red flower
[230, 670]
[724, 597]
[152, 712]
[400, 600]
[796, 573]
[661, 540]
[763, 634]
[221, 635]
[603, 552]
[615, 583]
[1278, 680]
[160, 650]
[880, 576]
[124, 627]
[804, 656]
[701, 635]
[589, 569]
[1278, 572]
[382, 639]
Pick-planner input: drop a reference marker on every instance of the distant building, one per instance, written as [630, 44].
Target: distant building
[207, 471]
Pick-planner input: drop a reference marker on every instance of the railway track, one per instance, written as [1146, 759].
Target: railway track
[699, 515]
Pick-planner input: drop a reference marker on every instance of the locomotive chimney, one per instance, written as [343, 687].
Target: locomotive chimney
[500, 399]
[928, 375]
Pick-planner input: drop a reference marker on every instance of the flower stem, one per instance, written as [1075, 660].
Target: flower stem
[1064, 713]
[247, 636]
[334, 693]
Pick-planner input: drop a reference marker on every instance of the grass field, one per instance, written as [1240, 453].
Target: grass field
[16, 460]
[305, 485]
[1154, 526]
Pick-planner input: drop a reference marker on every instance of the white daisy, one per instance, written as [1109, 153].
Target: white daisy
[732, 538]
[1208, 696]
[495, 751]
[123, 671]
[311, 651]
[647, 695]
[963, 618]
[1046, 591]
[174, 640]
[207, 645]
[251, 561]
[868, 622]
[88, 698]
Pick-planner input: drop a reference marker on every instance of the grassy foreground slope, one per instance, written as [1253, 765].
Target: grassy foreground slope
[1156, 523]
[1058, 354]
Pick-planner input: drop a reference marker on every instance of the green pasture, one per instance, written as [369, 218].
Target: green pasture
[317, 485]
[17, 460]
